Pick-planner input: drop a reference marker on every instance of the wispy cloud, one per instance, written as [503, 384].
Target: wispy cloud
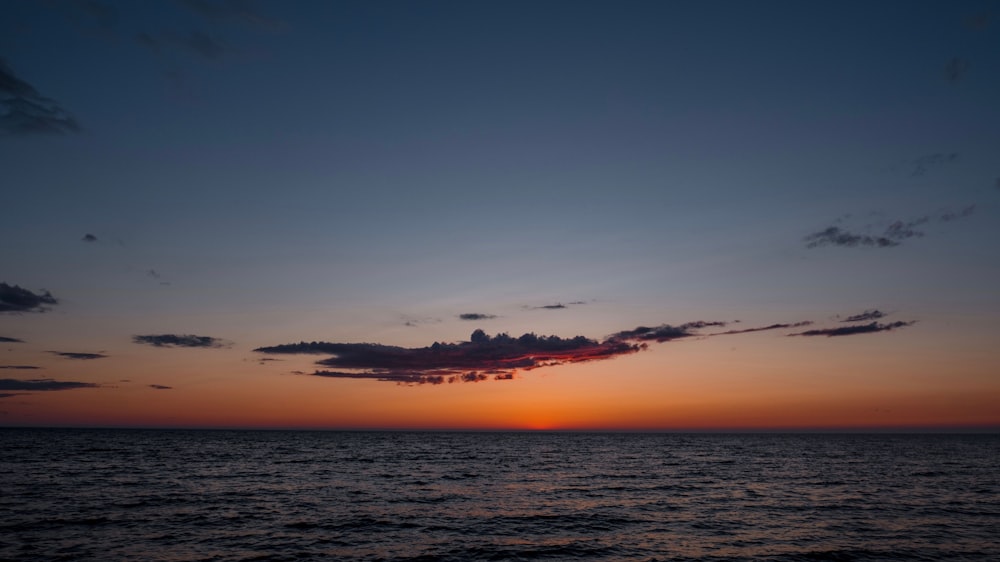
[854, 330]
[80, 356]
[16, 299]
[956, 69]
[865, 316]
[89, 238]
[892, 235]
[923, 164]
[978, 22]
[5, 339]
[835, 236]
[233, 11]
[476, 316]
[663, 332]
[556, 306]
[204, 44]
[20, 367]
[765, 328]
[160, 387]
[24, 111]
[184, 340]
[42, 384]
[215, 16]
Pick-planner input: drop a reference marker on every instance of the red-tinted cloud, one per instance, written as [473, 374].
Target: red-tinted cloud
[482, 357]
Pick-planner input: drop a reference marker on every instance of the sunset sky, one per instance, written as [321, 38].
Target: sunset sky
[705, 215]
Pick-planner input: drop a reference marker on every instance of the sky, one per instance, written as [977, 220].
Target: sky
[500, 215]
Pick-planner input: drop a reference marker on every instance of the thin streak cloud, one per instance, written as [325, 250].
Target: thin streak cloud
[854, 330]
[176, 340]
[765, 328]
[78, 356]
[42, 384]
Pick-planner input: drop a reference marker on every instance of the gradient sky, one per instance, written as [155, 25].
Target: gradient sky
[191, 186]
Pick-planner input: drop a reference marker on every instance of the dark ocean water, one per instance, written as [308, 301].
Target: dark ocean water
[255, 495]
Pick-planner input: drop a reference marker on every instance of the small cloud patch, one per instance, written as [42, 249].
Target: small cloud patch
[79, 356]
[15, 299]
[476, 316]
[175, 340]
[866, 316]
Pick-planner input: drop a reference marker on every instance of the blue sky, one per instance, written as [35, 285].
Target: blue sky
[367, 171]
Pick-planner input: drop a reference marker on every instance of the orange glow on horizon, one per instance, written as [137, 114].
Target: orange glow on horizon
[695, 386]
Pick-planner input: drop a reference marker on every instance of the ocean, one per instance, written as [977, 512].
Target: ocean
[170, 495]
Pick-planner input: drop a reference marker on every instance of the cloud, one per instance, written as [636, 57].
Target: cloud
[23, 111]
[4, 339]
[42, 384]
[204, 45]
[216, 14]
[866, 316]
[160, 387]
[104, 15]
[664, 332]
[16, 299]
[922, 164]
[892, 235]
[233, 11]
[81, 356]
[956, 69]
[476, 316]
[174, 340]
[89, 238]
[765, 328]
[835, 236]
[483, 357]
[978, 22]
[853, 330]
[19, 367]
[148, 41]
[948, 216]
[556, 306]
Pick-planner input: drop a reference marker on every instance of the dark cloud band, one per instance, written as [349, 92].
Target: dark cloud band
[80, 356]
[42, 384]
[476, 316]
[853, 330]
[482, 357]
[175, 340]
